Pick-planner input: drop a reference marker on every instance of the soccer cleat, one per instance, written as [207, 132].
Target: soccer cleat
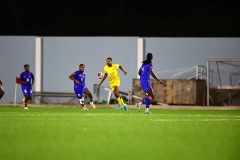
[26, 108]
[147, 112]
[139, 106]
[119, 106]
[125, 107]
[85, 108]
[93, 106]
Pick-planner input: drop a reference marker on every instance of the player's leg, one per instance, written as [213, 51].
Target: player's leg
[25, 91]
[147, 88]
[79, 94]
[119, 98]
[116, 94]
[29, 97]
[89, 94]
[148, 100]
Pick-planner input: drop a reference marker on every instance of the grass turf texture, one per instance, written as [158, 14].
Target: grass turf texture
[106, 133]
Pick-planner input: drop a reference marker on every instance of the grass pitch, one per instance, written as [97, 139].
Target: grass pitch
[42, 133]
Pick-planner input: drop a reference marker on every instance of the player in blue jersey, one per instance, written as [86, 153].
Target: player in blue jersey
[1, 90]
[80, 88]
[26, 81]
[145, 71]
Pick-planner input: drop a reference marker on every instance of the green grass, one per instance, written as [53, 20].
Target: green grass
[43, 133]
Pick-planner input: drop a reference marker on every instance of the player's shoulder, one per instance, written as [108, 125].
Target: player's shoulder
[105, 67]
[22, 73]
[76, 72]
[116, 65]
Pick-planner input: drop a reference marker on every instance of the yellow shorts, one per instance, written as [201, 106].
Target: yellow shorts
[114, 83]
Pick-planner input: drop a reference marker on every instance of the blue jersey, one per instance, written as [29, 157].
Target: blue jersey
[27, 77]
[145, 74]
[80, 76]
[145, 77]
[79, 88]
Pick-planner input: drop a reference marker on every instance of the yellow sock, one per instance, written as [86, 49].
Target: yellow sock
[120, 100]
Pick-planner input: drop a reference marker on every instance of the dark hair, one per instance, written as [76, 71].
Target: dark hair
[109, 58]
[149, 59]
[25, 65]
[81, 65]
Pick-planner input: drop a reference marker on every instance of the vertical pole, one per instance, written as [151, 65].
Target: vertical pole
[38, 71]
[15, 95]
[196, 72]
[139, 53]
[208, 69]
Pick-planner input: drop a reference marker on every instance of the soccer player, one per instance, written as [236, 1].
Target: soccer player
[144, 72]
[110, 70]
[26, 81]
[1, 90]
[80, 88]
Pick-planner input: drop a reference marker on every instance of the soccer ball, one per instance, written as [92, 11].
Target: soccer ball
[100, 75]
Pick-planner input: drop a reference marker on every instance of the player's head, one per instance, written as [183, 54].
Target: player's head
[109, 61]
[81, 67]
[27, 67]
[149, 58]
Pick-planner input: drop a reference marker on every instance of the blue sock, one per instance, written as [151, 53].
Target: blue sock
[147, 101]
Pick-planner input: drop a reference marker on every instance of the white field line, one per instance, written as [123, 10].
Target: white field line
[194, 120]
[62, 114]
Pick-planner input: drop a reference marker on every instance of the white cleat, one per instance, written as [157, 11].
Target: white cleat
[93, 106]
[25, 108]
[85, 108]
[147, 112]
[139, 106]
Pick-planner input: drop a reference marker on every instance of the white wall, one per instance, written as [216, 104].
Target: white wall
[15, 51]
[172, 55]
[62, 55]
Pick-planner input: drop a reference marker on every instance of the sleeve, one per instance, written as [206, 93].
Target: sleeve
[74, 74]
[105, 70]
[117, 66]
[20, 76]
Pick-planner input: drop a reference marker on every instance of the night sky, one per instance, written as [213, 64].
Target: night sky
[170, 18]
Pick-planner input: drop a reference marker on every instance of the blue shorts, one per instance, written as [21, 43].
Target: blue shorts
[79, 91]
[27, 91]
[146, 85]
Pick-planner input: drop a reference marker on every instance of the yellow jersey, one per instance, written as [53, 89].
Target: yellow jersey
[113, 76]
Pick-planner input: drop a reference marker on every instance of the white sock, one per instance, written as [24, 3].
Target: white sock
[81, 101]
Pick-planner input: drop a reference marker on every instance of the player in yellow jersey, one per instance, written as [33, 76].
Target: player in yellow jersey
[110, 71]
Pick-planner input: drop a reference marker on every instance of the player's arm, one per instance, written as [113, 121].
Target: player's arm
[73, 79]
[139, 72]
[21, 82]
[33, 80]
[122, 70]
[154, 75]
[104, 77]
